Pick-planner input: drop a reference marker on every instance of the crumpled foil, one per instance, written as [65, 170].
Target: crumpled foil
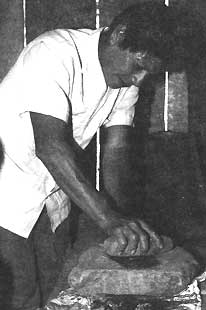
[189, 299]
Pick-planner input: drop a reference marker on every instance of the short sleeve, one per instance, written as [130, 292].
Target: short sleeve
[124, 107]
[46, 83]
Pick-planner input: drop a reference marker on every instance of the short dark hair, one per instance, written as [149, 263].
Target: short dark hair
[172, 33]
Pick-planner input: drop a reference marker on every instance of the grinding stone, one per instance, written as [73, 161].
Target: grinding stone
[165, 275]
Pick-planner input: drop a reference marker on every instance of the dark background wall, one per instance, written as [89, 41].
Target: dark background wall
[51, 14]
[11, 33]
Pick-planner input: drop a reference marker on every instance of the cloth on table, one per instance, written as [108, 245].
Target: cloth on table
[189, 299]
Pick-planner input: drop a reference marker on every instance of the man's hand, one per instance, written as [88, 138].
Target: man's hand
[130, 237]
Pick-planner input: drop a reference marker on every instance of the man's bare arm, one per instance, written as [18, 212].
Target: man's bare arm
[117, 170]
[119, 176]
[56, 148]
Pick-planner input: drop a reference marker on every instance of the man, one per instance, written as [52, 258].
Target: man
[65, 85]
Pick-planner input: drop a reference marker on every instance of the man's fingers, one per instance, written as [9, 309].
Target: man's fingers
[111, 246]
[121, 239]
[143, 238]
[133, 238]
[153, 236]
[132, 241]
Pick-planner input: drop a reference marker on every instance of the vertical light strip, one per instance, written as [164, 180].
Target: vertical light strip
[97, 14]
[98, 147]
[166, 102]
[24, 15]
[166, 99]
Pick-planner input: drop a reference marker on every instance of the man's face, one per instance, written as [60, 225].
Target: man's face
[125, 68]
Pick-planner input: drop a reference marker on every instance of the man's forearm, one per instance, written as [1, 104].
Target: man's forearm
[118, 174]
[72, 181]
[118, 178]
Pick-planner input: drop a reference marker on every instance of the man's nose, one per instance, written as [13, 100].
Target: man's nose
[138, 78]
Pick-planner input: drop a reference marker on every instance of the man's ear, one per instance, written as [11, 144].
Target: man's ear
[118, 34]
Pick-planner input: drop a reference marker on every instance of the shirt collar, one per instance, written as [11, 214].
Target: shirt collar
[90, 58]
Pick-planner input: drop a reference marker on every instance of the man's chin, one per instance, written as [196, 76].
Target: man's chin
[114, 86]
[118, 83]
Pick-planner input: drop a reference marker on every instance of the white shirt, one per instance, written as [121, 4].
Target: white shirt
[57, 74]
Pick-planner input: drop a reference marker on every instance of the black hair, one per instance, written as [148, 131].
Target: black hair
[173, 34]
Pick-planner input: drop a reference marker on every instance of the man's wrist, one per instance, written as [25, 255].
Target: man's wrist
[108, 220]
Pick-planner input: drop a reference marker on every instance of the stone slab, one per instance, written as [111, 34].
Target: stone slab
[165, 275]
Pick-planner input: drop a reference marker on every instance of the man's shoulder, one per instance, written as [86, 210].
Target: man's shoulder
[65, 35]
[52, 38]
[61, 41]
[58, 43]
